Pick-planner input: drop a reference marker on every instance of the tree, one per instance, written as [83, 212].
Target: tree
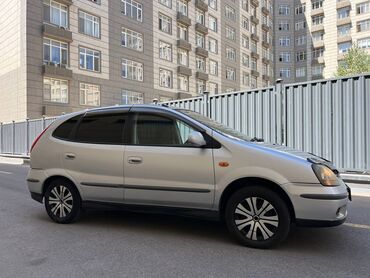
[356, 61]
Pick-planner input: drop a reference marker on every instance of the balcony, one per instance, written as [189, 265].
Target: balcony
[265, 10]
[317, 28]
[343, 4]
[343, 21]
[255, 3]
[201, 52]
[265, 61]
[266, 44]
[183, 44]
[265, 27]
[346, 38]
[254, 55]
[184, 70]
[55, 32]
[254, 19]
[201, 5]
[201, 28]
[265, 77]
[255, 73]
[255, 37]
[201, 75]
[341, 56]
[318, 61]
[318, 11]
[183, 19]
[318, 44]
[55, 70]
[65, 2]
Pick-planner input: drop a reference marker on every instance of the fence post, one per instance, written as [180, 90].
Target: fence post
[280, 112]
[206, 103]
[1, 137]
[13, 137]
[43, 122]
[27, 135]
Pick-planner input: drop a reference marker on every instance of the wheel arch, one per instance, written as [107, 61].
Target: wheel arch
[250, 181]
[50, 179]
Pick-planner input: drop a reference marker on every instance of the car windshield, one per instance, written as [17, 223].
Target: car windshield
[216, 126]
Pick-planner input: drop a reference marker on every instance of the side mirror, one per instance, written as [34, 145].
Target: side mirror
[196, 138]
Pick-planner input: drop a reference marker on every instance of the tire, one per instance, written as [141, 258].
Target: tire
[62, 201]
[263, 227]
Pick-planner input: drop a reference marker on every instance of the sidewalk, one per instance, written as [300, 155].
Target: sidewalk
[14, 159]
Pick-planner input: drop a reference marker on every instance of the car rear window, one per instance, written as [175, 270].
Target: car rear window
[100, 128]
[65, 129]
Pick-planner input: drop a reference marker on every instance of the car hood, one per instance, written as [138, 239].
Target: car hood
[297, 153]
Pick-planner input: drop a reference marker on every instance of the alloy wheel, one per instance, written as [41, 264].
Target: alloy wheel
[60, 201]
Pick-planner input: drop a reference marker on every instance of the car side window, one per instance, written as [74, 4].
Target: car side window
[151, 129]
[64, 130]
[101, 128]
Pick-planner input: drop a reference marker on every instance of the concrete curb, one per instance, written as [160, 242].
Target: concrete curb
[14, 159]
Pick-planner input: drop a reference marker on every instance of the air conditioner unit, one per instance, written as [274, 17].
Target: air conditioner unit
[62, 27]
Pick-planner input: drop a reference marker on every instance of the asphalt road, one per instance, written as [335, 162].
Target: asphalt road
[125, 244]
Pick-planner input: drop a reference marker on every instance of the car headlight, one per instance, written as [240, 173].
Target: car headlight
[325, 175]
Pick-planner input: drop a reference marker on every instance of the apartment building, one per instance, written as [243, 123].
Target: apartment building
[60, 56]
[312, 37]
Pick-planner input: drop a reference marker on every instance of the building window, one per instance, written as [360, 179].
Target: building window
[55, 90]
[56, 13]
[182, 57]
[300, 9]
[344, 47]
[245, 5]
[132, 9]
[285, 72]
[213, 88]
[165, 78]
[284, 57]
[132, 70]
[89, 24]
[343, 13]
[300, 25]
[283, 25]
[317, 4]
[132, 39]
[245, 41]
[200, 64]
[317, 70]
[200, 40]
[254, 64]
[317, 20]
[167, 3]
[182, 7]
[364, 43]
[245, 60]
[165, 51]
[200, 86]
[182, 32]
[363, 25]
[363, 8]
[165, 23]
[254, 82]
[212, 23]
[200, 17]
[245, 23]
[344, 30]
[212, 4]
[301, 56]
[230, 13]
[230, 53]
[183, 83]
[55, 52]
[284, 41]
[284, 10]
[230, 33]
[89, 59]
[300, 72]
[130, 97]
[245, 79]
[317, 53]
[318, 36]
[212, 45]
[89, 94]
[213, 67]
[230, 73]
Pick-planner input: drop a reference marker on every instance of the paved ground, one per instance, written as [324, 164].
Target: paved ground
[122, 244]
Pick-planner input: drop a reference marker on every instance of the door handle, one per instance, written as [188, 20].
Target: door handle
[70, 156]
[135, 160]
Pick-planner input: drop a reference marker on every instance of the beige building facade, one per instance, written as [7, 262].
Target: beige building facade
[60, 56]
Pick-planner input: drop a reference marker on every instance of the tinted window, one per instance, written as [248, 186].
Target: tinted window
[158, 130]
[101, 128]
[65, 129]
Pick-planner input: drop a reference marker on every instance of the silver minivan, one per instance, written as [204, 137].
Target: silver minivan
[152, 156]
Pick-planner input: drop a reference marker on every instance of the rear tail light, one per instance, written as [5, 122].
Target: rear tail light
[38, 138]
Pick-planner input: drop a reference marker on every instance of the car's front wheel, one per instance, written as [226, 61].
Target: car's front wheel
[257, 217]
[62, 201]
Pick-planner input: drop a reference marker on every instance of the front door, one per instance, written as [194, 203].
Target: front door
[161, 168]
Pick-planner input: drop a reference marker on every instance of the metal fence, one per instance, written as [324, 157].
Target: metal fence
[330, 118]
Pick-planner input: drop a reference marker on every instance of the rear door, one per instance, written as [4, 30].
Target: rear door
[94, 155]
[161, 168]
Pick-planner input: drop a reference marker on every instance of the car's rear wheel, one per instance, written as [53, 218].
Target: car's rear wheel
[257, 217]
[62, 201]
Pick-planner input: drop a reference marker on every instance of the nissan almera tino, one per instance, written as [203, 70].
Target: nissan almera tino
[154, 156]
